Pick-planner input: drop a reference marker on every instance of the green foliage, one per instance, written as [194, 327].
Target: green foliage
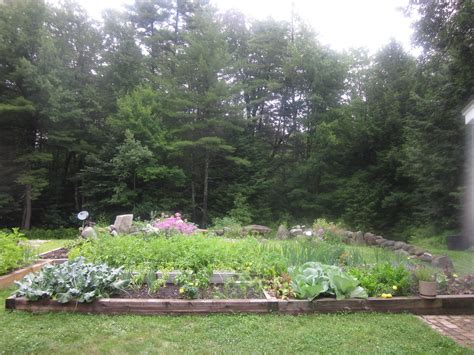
[56, 233]
[241, 210]
[14, 250]
[193, 253]
[170, 106]
[74, 280]
[192, 282]
[383, 278]
[314, 279]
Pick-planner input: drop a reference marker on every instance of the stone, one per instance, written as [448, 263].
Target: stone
[123, 223]
[349, 234]
[88, 232]
[114, 233]
[398, 245]
[418, 251]
[406, 247]
[308, 233]
[402, 252]
[427, 257]
[442, 261]
[387, 244]
[380, 241]
[294, 232]
[359, 238]
[368, 236]
[282, 232]
[256, 229]
[219, 232]
[370, 239]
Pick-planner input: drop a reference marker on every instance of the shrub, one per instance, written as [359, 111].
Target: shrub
[14, 251]
[230, 226]
[383, 278]
[174, 224]
[73, 280]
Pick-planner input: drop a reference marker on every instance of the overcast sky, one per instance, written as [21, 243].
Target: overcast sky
[341, 24]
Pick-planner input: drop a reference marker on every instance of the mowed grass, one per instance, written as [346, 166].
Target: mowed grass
[64, 333]
[49, 245]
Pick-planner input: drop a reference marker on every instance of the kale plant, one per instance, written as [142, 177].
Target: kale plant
[73, 280]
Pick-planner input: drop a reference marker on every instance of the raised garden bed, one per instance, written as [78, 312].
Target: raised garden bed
[459, 304]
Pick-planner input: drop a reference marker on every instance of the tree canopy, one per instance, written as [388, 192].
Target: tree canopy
[171, 106]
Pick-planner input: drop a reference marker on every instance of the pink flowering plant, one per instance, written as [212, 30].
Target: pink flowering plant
[174, 224]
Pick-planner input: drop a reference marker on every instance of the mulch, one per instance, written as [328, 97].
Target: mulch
[171, 291]
[55, 254]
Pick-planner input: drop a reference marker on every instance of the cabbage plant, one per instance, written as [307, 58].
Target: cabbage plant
[314, 279]
[73, 280]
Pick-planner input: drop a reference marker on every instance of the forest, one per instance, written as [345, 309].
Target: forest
[172, 106]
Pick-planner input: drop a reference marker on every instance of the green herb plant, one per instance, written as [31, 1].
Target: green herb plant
[14, 250]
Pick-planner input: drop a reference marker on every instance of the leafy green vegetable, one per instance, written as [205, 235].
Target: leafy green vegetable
[313, 279]
[73, 280]
[14, 250]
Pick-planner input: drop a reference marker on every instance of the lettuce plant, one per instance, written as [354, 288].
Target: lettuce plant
[313, 279]
[73, 280]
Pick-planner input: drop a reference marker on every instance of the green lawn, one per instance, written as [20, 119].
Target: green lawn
[50, 245]
[463, 260]
[343, 333]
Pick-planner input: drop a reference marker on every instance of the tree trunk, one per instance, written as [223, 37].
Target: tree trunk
[26, 222]
[205, 193]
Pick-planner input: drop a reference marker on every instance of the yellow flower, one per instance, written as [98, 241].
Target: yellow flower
[395, 287]
[388, 295]
[181, 290]
[455, 275]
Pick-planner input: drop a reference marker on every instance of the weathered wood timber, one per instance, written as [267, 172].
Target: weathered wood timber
[462, 304]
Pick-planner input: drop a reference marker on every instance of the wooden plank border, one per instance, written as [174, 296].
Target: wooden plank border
[8, 279]
[462, 304]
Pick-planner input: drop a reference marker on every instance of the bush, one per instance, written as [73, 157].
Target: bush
[14, 251]
[383, 278]
[230, 226]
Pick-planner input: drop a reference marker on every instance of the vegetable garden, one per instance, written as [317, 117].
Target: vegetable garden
[169, 264]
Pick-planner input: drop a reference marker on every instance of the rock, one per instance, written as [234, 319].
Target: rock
[443, 262]
[219, 232]
[123, 223]
[425, 257]
[368, 236]
[359, 238]
[308, 233]
[380, 241]
[398, 245]
[256, 229]
[349, 234]
[114, 233]
[294, 232]
[418, 251]
[282, 232]
[388, 244]
[370, 239]
[88, 232]
[406, 247]
[402, 252]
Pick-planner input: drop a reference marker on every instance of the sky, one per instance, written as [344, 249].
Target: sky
[340, 24]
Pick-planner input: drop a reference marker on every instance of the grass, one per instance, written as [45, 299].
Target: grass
[340, 333]
[463, 260]
[50, 245]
